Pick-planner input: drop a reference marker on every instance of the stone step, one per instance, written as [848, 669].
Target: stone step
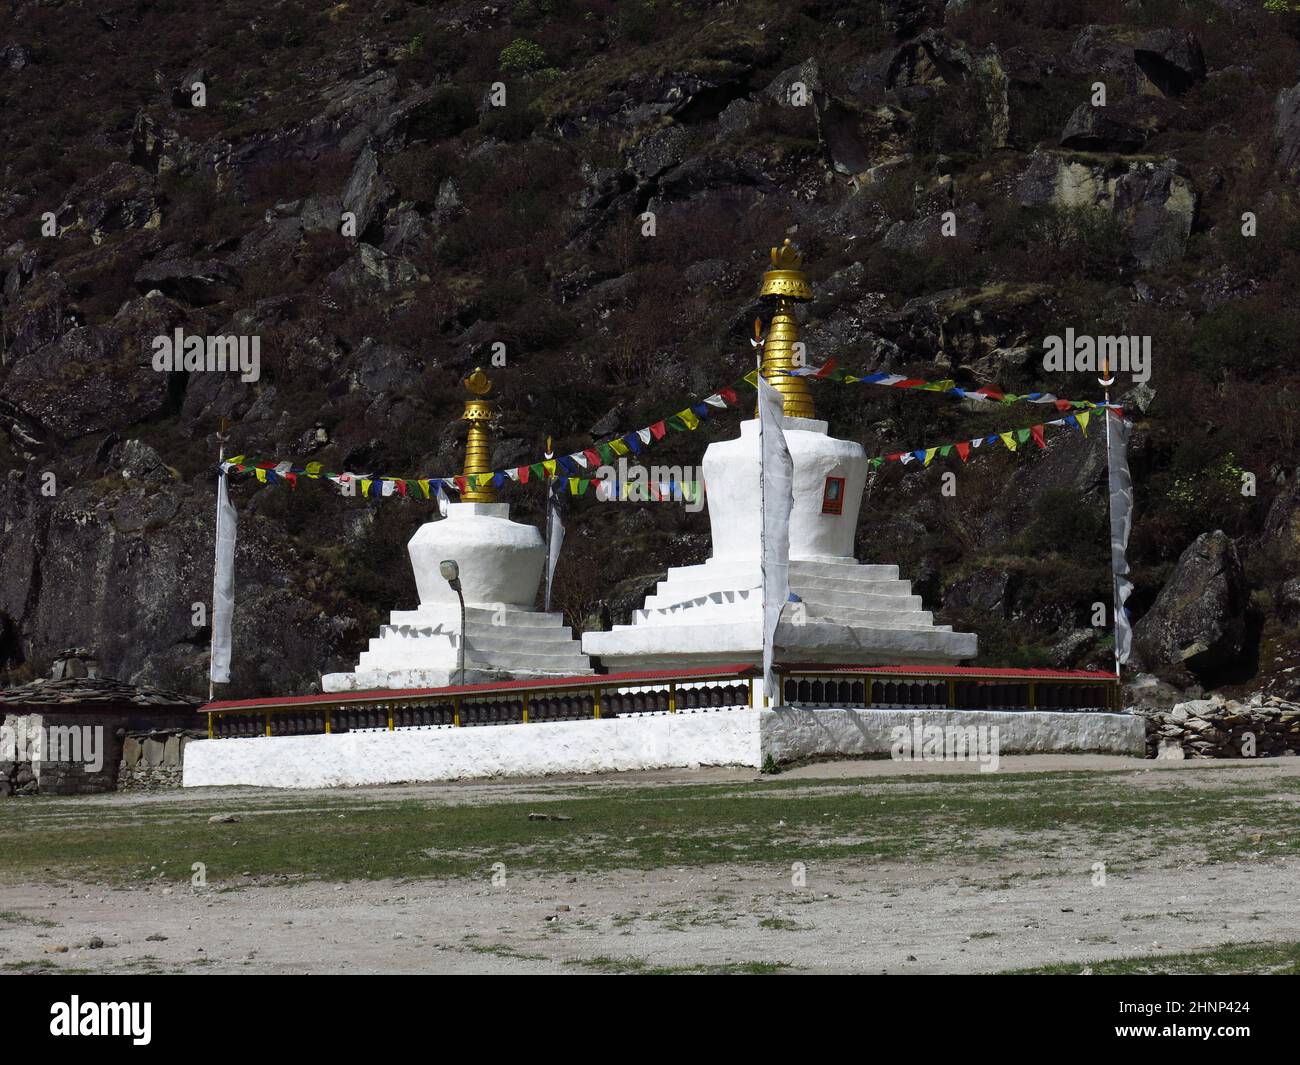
[817, 601]
[840, 569]
[798, 584]
[515, 618]
[566, 664]
[889, 618]
[560, 641]
[549, 634]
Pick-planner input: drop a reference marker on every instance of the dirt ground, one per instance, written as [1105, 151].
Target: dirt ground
[847, 917]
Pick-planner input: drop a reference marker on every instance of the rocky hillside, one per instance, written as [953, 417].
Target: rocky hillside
[127, 210]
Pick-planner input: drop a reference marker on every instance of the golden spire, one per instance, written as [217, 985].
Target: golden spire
[786, 284]
[478, 456]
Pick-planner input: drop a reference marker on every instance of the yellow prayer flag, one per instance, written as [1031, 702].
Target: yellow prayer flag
[1009, 440]
[689, 417]
[618, 447]
[1083, 417]
[930, 452]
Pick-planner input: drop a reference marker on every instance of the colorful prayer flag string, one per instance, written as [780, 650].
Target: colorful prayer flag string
[983, 394]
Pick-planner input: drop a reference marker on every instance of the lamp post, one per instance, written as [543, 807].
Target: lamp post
[450, 571]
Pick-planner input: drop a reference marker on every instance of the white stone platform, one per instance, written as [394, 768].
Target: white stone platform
[740, 736]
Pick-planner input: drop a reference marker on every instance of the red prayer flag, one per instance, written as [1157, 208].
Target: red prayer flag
[657, 430]
[728, 397]
[523, 474]
[963, 449]
[1036, 431]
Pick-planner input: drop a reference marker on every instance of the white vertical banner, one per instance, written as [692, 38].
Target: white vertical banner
[554, 538]
[223, 586]
[1121, 524]
[776, 490]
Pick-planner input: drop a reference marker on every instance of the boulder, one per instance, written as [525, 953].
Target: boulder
[14, 57]
[119, 197]
[659, 151]
[1162, 62]
[367, 191]
[1197, 624]
[1288, 601]
[370, 268]
[194, 281]
[1101, 129]
[905, 17]
[1155, 203]
[1286, 129]
[986, 590]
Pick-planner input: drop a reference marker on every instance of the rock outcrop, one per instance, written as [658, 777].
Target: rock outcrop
[1197, 625]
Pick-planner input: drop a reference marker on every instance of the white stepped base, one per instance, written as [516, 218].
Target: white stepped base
[711, 615]
[421, 649]
[663, 646]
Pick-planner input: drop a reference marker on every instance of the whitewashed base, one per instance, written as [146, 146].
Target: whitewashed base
[737, 737]
[721, 737]
[791, 734]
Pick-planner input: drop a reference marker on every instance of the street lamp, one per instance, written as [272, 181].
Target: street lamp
[450, 571]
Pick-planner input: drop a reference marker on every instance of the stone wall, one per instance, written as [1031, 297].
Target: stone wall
[154, 759]
[1222, 728]
[29, 774]
[129, 755]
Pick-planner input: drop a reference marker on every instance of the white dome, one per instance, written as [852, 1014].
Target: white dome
[500, 560]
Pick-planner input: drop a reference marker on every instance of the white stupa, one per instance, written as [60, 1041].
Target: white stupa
[500, 565]
[849, 612]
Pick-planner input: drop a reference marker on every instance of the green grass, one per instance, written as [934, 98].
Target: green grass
[640, 967]
[1230, 959]
[9, 917]
[359, 836]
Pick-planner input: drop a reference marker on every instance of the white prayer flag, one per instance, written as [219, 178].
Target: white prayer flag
[776, 486]
[1121, 524]
[554, 539]
[223, 587]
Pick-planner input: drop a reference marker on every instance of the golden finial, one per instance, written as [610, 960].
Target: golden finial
[786, 278]
[787, 284]
[478, 454]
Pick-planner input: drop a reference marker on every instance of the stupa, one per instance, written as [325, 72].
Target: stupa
[500, 563]
[847, 612]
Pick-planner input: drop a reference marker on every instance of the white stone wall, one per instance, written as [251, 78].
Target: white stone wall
[717, 737]
[791, 734]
